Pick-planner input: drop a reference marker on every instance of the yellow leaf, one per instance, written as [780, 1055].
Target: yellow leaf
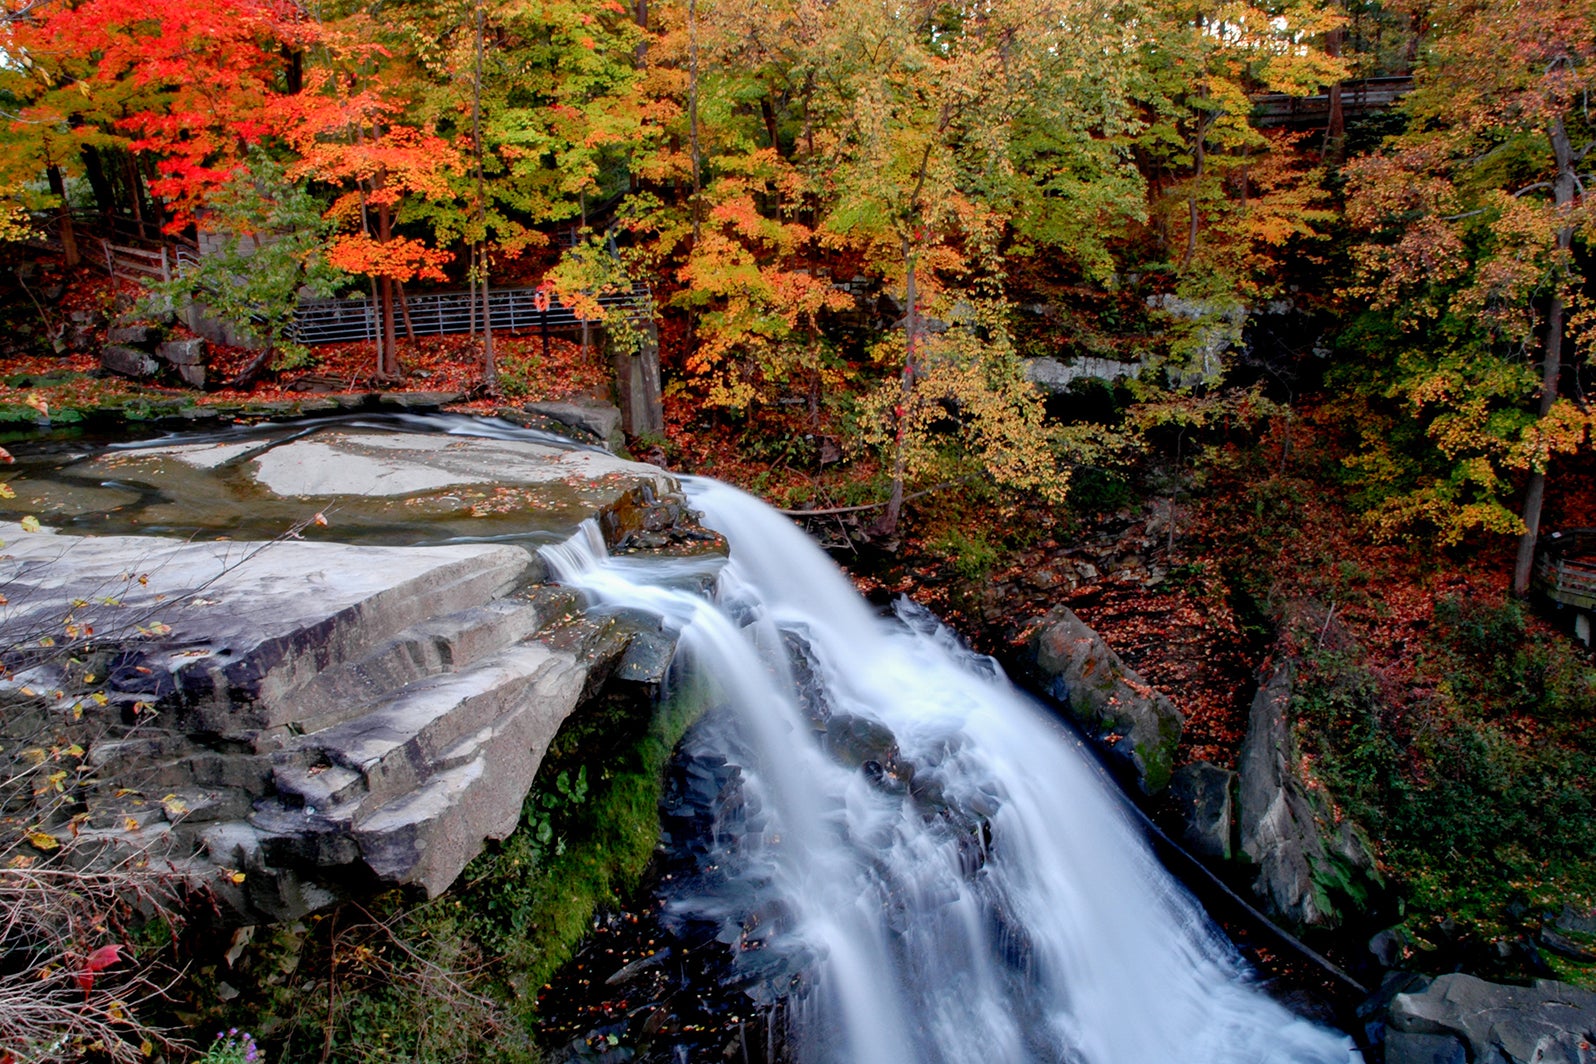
[30, 524]
[43, 840]
[117, 1011]
[173, 805]
[74, 750]
[147, 1047]
[129, 824]
[6, 492]
[35, 756]
[100, 698]
[46, 641]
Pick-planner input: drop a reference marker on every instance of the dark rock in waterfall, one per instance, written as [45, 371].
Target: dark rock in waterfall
[1137, 724]
[1201, 793]
[807, 686]
[857, 741]
[1312, 868]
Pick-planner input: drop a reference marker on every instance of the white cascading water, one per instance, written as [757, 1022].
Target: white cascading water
[983, 896]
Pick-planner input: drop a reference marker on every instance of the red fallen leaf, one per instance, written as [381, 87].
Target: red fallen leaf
[97, 961]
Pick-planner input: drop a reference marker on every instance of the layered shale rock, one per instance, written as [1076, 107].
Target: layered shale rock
[290, 721]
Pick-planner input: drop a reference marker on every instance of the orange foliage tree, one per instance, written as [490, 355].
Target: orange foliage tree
[1471, 224]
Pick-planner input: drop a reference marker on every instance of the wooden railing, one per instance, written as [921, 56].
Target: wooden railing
[1565, 567]
[160, 263]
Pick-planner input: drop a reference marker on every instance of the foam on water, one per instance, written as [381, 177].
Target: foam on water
[986, 901]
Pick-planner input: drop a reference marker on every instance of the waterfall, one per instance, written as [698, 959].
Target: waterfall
[925, 865]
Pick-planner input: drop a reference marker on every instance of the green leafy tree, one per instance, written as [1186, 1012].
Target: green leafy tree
[1471, 223]
[269, 250]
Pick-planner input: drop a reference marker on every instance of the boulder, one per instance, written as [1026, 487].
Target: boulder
[187, 357]
[1140, 727]
[1201, 794]
[128, 361]
[132, 335]
[1489, 1023]
[1402, 1047]
[1310, 864]
[600, 422]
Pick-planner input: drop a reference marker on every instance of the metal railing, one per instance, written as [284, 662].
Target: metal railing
[511, 310]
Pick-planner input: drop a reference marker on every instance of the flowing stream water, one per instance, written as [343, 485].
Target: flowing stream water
[921, 863]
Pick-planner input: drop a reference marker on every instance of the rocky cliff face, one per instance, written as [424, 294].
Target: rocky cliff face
[1138, 726]
[292, 722]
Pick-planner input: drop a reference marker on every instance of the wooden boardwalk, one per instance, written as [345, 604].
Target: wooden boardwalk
[1276, 109]
[1565, 568]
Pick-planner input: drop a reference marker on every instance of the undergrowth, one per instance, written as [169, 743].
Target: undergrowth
[1474, 774]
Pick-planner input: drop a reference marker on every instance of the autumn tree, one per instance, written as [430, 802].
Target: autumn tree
[1471, 224]
[1226, 200]
[185, 85]
[348, 130]
[946, 132]
[267, 240]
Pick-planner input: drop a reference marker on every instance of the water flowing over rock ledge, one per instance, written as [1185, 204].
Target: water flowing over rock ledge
[291, 722]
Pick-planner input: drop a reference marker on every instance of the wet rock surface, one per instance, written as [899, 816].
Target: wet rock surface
[1459, 1017]
[294, 722]
[1139, 726]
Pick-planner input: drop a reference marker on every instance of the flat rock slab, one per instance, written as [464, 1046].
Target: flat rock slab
[371, 484]
[232, 627]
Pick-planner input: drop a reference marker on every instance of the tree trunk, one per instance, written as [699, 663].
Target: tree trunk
[99, 180]
[692, 110]
[911, 333]
[490, 369]
[1564, 187]
[63, 214]
[1336, 128]
[388, 357]
[1199, 168]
